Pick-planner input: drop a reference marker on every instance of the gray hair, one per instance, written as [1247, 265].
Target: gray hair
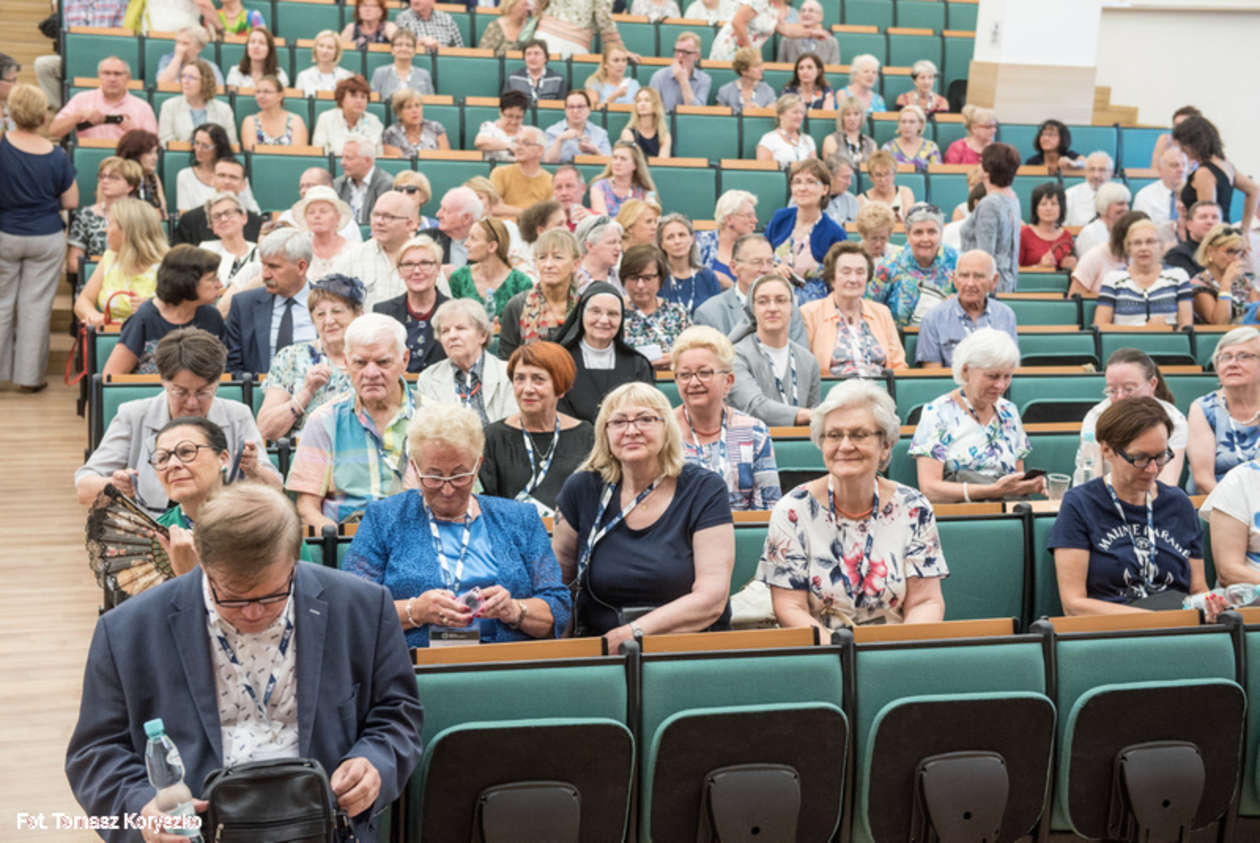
[923, 66]
[1238, 336]
[985, 348]
[466, 201]
[1099, 153]
[371, 327]
[470, 309]
[728, 203]
[361, 146]
[198, 34]
[223, 196]
[591, 229]
[533, 132]
[858, 393]
[858, 61]
[925, 212]
[447, 424]
[289, 243]
[1112, 191]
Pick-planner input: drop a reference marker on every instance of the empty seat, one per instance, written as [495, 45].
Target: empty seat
[987, 566]
[86, 46]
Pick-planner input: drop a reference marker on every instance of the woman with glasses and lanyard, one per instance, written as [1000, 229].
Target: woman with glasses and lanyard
[776, 379]
[462, 568]
[652, 323]
[1124, 538]
[645, 537]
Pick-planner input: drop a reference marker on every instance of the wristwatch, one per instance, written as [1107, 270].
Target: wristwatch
[637, 630]
[520, 621]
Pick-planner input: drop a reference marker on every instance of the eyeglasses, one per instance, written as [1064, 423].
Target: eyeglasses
[635, 279]
[857, 436]
[1236, 357]
[412, 266]
[277, 597]
[202, 145]
[437, 481]
[186, 452]
[409, 189]
[703, 375]
[683, 52]
[384, 217]
[622, 423]
[181, 394]
[219, 216]
[1121, 391]
[806, 183]
[1144, 460]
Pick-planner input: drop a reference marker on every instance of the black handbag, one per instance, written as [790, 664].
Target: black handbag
[284, 800]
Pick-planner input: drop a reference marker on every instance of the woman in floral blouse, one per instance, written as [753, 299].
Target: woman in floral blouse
[851, 547]
[970, 444]
[652, 323]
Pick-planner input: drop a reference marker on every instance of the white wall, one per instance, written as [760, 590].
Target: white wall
[1021, 32]
[1161, 56]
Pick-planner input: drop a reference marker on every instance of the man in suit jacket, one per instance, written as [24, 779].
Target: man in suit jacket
[343, 693]
[193, 226]
[256, 322]
[751, 257]
[360, 183]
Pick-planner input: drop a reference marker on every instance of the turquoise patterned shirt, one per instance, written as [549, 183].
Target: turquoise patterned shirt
[897, 280]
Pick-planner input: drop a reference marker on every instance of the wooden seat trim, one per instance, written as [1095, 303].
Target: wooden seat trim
[512, 651]
[1170, 619]
[736, 639]
[983, 628]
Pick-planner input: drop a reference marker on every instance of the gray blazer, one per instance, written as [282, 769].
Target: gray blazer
[380, 182]
[755, 392]
[129, 439]
[726, 313]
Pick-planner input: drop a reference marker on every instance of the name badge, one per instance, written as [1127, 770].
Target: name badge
[455, 636]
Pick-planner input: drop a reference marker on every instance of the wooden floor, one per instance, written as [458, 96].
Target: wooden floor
[48, 604]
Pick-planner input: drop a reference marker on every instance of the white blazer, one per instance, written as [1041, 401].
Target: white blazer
[175, 120]
[437, 384]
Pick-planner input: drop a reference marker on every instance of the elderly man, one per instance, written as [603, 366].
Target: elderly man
[682, 83]
[311, 177]
[193, 226]
[375, 261]
[535, 80]
[825, 47]
[752, 256]
[190, 362]
[525, 182]
[1110, 204]
[353, 449]
[259, 657]
[951, 321]
[460, 208]
[265, 319]
[361, 183]
[1099, 169]
[921, 275]
[575, 134]
[1200, 218]
[108, 112]
[843, 207]
[568, 187]
[433, 28]
[1159, 200]
[189, 42]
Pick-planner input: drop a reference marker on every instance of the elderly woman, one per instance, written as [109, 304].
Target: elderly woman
[1052, 148]
[1233, 515]
[488, 278]
[350, 118]
[625, 176]
[142, 147]
[981, 125]
[746, 90]
[993, 226]
[195, 105]
[849, 334]
[530, 454]
[190, 362]
[462, 568]
[652, 323]
[325, 72]
[735, 215]
[1145, 293]
[305, 375]
[510, 29]
[1111, 202]
[189, 42]
[600, 241]
[538, 312]
[639, 220]
[909, 146]
[875, 223]
[390, 78]
[863, 77]
[127, 273]
[970, 444]
[787, 143]
[1043, 241]
[191, 458]
[1130, 373]
[116, 178]
[1225, 286]
[187, 286]
[1214, 178]
[260, 60]
[735, 446]
[776, 379]
[469, 375]
[370, 25]
[1103, 259]
[922, 274]
[687, 281]
[923, 73]
[752, 24]
[1108, 553]
[226, 215]
[323, 214]
[419, 265]
[272, 125]
[645, 536]
[848, 138]
[881, 167]
[195, 184]
[496, 138]
[1224, 425]
[594, 334]
[852, 547]
[809, 82]
[410, 132]
[801, 233]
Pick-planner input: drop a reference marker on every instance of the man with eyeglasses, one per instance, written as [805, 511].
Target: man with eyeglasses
[682, 83]
[190, 362]
[266, 319]
[361, 183]
[751, 257]
[194, 226]
[375, 260]
[107, 112]
[249, 656]
[525, 182]
[575, 135]
[1200, 219]
[313, 177]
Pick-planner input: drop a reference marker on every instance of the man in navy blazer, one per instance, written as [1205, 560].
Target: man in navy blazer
[256, 316]
[344, 693]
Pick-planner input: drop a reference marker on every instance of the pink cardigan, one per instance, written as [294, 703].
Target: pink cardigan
[821, 318]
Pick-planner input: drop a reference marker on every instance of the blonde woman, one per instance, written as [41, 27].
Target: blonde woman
[1225, 286]
[639, 219]
[882, 171]
[648, 126]
[981, 125]
[271, 125]
[488, 277]
[625, 177]
[848, 139]
[325, 73]
[609, 83]
[511, 29]
[747, 89]
[127, 273]
[863, 77]
[419, 190]
[410, 132]
[787, 143]
[909, 146]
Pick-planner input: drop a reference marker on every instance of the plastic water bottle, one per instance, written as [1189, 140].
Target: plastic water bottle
[1235, 596]
[1086, 459]
[166, 774]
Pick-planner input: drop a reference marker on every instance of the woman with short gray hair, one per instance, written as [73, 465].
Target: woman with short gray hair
[970, 443]
[469, 376]
[921, 275]
[599, 238]
[1225, 423]
[839, 554]
[736, 215]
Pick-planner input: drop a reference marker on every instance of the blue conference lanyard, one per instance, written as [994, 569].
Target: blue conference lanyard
[271, 680]
[452, 581]
[723, 461]
[1138, 550]
[594, 535]
[537, 474]
[792, 399]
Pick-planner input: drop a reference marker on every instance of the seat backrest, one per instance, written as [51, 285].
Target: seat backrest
[305, 18]
[916, 391]
[1057, 346]
[905, 48]
[687, 190]
[987, 566]
[467, 73]
[1249, 802]
[87, 45]
[753, 128]
[749, 542]
[1053, 452]
[961, 14]
[1045, 583]
[856, 43]
[958, 50]
[1042, 282]
[710, 136]
[947, 190]
[925, 14]
[86, 160]
[1087, 139]
[1047, 311]
[1027, 388]
[274, 176]
[868, 13]
[1162, 346]
[770, 186]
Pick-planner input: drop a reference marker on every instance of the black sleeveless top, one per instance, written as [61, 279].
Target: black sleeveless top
[1224, 189]
[651, 146]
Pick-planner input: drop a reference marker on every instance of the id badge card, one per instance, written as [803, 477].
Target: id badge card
[455, 636]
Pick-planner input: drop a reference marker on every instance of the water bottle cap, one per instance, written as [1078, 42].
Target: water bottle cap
[154, 728]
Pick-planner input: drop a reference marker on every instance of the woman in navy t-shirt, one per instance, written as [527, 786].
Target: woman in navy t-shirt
[648, 536]
[1122, 538]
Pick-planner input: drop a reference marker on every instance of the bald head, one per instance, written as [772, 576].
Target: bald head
[311, 177]
[975, 276]
[393, 220]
